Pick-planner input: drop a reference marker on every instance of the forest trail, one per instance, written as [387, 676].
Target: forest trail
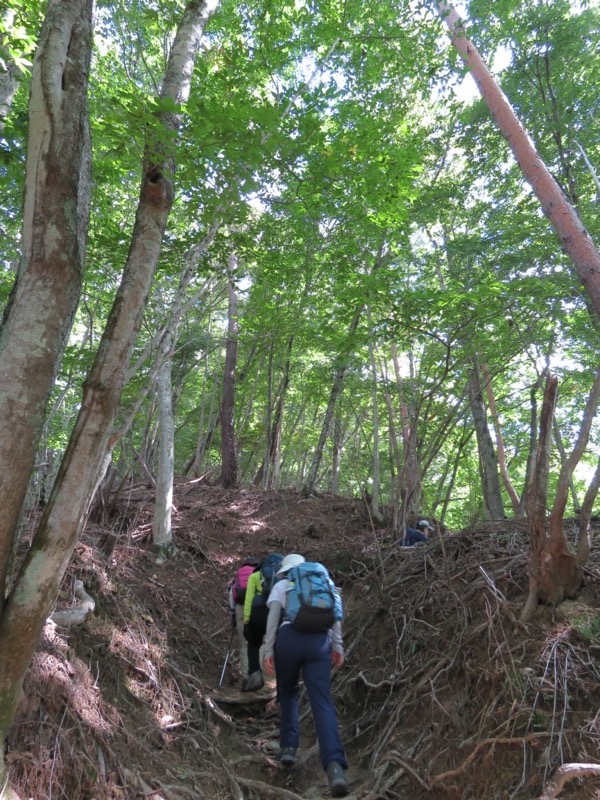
[444, 694]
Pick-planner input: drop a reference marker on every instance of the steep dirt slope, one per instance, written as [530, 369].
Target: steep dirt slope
[444, 694]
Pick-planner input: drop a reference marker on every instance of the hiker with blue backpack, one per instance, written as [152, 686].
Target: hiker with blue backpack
[256, 612]
[304, 634]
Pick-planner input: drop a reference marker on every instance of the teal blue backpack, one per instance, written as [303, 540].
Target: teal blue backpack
[313, 603]
[268, 573]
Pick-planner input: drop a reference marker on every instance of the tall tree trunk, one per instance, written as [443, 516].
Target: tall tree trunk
[574, 238]
[376, 513]
[533, 439]
[228, 448]
[40, 310]
[394, 448]
[204, 439]
[338, 380]
[488, 464]
[558, 542]
[41, 573]
[553, 571]
[563, 459]
[9, 82]
[268, 472]
[466, 436]
[162, 538]
[514, 497]
[409, 479]
[268, 415]
[585, 515]
[336, 454]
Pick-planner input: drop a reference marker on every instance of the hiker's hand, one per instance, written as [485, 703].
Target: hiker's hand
[247, 631]
[337, 659]
[269, 665]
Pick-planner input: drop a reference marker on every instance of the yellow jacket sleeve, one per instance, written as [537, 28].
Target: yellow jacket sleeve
[252, 589]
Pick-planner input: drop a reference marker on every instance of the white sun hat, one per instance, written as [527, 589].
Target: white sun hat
[289, 562]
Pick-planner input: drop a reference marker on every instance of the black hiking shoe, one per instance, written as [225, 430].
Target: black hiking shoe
[287, 756]
[336, 775]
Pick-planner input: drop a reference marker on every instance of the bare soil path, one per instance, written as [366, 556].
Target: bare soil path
[444, 694]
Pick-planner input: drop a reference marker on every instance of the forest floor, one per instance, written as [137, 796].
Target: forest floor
[444, 693]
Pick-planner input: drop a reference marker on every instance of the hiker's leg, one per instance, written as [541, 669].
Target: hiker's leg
[253, 658]
[243, 645]
[288, 659]
[263, 630]
[254, 635]
[317, 679]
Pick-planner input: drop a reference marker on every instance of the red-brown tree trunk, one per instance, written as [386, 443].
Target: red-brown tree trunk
[574, 238]
[553, 571]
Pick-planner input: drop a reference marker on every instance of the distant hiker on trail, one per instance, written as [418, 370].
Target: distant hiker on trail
[256, 612]
[414, 536]
[308, 640]
[237, 595]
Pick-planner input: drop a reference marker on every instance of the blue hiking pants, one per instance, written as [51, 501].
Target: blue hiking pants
[310, 653]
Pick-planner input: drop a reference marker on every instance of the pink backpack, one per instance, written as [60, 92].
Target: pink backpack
[241, 580]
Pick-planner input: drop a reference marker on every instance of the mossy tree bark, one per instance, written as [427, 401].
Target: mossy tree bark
[41, 573]
[40, 310]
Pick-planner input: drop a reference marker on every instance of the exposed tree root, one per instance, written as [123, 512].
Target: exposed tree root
[566, 773]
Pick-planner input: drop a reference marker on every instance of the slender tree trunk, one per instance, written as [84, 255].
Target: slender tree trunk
[584, 544]
[40, 310]
[278, 419]
[457, 459]
[553, 570]
[393, 436]
[9, 82]
[228, 450]
[558, 543]
[268, 472]
[591, 170]
[204, 439]
[10, 74]
[409, 478]
[514, 497]
[574, 238]
[41, 573]
[336, 455]
[338, 381]
[162, 538]
[536, 499]
[533, 439]
[376, 513]
[264, 481]
[563, 459]
[488, 463]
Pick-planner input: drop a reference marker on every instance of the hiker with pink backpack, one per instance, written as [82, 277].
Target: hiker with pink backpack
[248, 595]
[237, 595]
[256, 612]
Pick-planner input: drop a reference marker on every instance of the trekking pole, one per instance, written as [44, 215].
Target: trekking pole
[227, 657]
